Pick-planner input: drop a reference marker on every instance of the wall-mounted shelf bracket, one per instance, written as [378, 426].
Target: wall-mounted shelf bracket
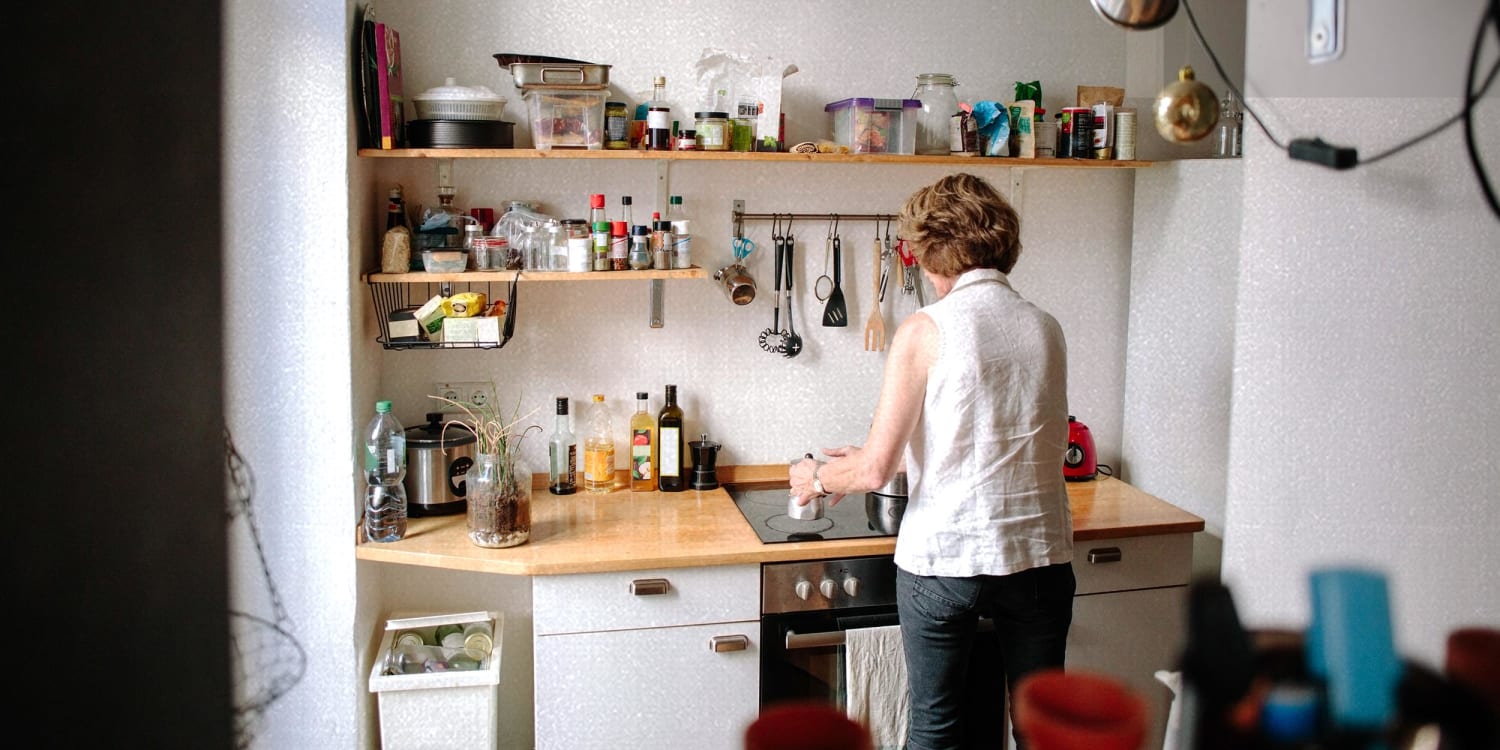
[658, 290]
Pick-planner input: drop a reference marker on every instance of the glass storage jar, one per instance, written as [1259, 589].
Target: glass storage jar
[939, 104]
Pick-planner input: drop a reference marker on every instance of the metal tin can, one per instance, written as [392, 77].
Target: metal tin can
[1125, 134]
[1083, 132]
[1065, 134]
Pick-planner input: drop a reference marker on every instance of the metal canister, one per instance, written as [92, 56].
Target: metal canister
[1125, 134]
[1083, 132]
[1065, 133]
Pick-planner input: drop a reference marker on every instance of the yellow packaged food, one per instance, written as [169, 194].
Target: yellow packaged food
[464, 305]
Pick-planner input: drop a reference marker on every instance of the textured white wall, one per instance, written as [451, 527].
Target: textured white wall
[1184, 262]
[287, 349]
[1366, 342]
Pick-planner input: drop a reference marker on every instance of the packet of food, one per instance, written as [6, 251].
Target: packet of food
[464, 305]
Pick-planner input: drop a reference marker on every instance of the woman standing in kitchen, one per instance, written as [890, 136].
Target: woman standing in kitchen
[974, 404]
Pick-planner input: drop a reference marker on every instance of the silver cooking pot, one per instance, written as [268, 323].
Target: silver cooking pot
[436, 464]
[885, 506]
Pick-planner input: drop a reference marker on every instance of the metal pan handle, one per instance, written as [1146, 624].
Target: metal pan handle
[574, 76]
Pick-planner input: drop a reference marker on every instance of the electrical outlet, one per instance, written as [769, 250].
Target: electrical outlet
[481, 394]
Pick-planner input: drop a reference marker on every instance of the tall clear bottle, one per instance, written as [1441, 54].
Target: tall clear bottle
[599, 449]
[642, 446]
[562, 449]
[670, 450]
[385, 467]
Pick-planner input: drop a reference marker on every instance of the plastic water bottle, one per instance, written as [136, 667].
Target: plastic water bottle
[385, 467]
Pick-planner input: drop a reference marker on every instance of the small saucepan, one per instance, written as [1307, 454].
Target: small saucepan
[885, 507]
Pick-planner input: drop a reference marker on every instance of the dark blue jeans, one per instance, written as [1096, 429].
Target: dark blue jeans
[958, 675]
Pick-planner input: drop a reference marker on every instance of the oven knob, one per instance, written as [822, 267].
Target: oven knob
[804, 590]
[828, 588]
[851, 586]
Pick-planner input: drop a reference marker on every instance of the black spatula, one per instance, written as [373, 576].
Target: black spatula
[835, 315]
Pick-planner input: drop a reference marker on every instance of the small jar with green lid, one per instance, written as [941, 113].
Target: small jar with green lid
[713, 131]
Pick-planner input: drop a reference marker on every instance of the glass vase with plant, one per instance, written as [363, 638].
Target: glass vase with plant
[498, 485]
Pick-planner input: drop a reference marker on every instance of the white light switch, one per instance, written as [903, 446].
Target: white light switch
[1325, 30]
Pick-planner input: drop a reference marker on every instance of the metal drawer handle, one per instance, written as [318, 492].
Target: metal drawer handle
[650, 586]
[723, 643]
[1105, 555]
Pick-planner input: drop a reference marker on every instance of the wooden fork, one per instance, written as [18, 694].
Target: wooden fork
[875, 326]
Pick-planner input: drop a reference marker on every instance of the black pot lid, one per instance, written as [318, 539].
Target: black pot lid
[433, 434]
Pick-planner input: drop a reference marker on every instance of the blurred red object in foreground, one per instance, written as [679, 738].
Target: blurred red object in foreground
[1057, 710]
[806, 726]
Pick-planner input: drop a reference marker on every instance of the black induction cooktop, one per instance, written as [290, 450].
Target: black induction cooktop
[765, 510]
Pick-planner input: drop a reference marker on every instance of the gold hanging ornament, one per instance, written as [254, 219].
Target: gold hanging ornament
[1186, 110]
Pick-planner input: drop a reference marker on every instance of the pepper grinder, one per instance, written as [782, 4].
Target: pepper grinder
[705, 453]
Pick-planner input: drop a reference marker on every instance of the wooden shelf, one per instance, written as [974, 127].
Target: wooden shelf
[480, 277]
[737, 156]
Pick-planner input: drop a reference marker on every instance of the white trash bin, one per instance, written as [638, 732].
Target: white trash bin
[447, 708]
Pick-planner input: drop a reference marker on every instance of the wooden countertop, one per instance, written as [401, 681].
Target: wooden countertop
[586, 533]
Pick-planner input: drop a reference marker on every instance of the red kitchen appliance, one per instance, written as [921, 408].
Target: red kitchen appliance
[1081, 462]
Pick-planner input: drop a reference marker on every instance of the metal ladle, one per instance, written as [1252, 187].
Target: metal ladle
[789, 338]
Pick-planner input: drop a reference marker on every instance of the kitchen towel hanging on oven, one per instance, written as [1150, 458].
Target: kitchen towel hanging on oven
[875, 681]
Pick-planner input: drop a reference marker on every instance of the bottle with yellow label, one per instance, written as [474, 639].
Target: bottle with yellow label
[642, 446]
[599, 450]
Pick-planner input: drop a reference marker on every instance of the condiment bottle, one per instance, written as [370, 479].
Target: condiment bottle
[599, 450]
[600, 244]
[619, 247]
[640, 247]
[659, 117]
[670, 449]
[562, 449]
[642, 445]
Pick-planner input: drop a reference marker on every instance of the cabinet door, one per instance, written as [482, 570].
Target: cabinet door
[1129, 635]
[650, 687]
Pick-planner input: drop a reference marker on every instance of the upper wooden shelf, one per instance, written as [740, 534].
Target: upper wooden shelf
[420, 277]
[740, 156]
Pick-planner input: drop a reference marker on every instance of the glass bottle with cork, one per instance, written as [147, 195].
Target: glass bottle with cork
[659, 117]
[642, 446]
[670, 445]
[395, 244]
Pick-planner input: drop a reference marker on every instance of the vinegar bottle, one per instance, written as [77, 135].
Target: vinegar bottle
[562, 476]
[670, 447]
[599, 450]
[642, 447]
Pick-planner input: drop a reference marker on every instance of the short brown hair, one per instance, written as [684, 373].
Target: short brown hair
[960, 223]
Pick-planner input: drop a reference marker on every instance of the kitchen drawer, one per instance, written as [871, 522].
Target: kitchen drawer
[589, 602]
[1140, 562]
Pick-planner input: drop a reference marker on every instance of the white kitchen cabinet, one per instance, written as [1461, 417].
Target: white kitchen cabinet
[618, 665]
[1130, 614]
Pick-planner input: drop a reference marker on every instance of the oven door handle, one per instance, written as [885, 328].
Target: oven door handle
[795, 640]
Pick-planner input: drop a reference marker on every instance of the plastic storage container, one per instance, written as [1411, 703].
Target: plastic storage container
[452, 707]
[451, 101]
[566, 118]
[876, 126]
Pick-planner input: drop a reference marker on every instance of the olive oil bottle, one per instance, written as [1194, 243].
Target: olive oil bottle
[670, 448]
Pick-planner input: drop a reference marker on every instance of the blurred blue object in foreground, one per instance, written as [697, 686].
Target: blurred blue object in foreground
[1350, 647]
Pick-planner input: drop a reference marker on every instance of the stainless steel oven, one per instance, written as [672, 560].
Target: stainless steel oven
[806, 608]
